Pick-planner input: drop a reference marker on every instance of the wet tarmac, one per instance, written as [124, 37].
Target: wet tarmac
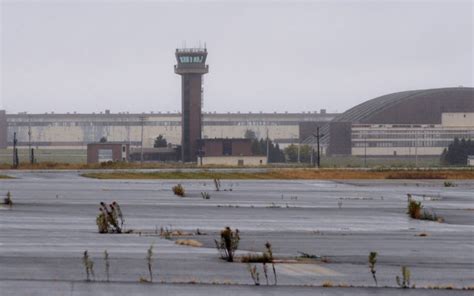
[53, 221]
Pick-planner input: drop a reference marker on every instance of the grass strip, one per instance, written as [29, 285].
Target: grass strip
[289, 174]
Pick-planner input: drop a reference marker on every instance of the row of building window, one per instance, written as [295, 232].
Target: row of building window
[150, 123]
[444, 143]
[441, 134]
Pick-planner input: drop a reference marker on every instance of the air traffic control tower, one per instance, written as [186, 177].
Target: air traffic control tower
[191, 65]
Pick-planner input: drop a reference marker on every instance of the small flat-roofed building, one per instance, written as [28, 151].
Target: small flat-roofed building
[162, 154]
[470, 160]
[105, 152]
[233, 152]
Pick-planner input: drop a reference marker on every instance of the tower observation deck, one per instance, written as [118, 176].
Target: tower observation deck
[191, 65]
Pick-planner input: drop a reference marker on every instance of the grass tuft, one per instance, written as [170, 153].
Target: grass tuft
[178, 190]
[8, 200]
[449, 184]
[328, 284]
[189, 242]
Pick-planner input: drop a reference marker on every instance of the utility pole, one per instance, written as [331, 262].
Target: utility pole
[318, 156]
[299, 151]
[268, 148]
[319, 149]
[365, 149]
[30, 150]
[15, 152]
[416, 149]
[142, 122]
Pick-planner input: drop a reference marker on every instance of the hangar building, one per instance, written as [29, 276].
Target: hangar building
[421, 122]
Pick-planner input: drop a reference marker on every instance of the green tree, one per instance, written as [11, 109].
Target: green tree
[305, 153]
[256, 148]
[292, 153]
[275, 154]
[160, 141]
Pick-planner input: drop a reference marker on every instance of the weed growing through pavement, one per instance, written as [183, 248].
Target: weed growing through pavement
[149, 260]
[307, 255]
[431, 216]
[178, 190]
[199, 232]
[88, 265]
[449, 184]
[265, 272]
[166, 232]
[228, 243]
[118, 213]
[328, 284]
[273, 206]
[254, 274]
[101, 221]
[265, 258]
[8, 200]
[372, 261]
[217, 184]
[441, 287]
[416, 211]
[404, 282]
[269, 252]
[189, 242]
[108, 218]
[107, 265]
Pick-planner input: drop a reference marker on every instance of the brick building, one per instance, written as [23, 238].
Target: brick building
[104, 152]
[229, 152]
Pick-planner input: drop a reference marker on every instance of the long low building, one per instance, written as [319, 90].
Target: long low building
[411, 139]
[75, 131]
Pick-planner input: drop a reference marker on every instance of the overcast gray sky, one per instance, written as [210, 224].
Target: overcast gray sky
[87, 56]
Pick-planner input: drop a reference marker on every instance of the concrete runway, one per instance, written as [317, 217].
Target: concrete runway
[53, 221]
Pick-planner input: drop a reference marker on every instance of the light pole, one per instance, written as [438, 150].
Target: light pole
[30, 152]
[416, 148]
[299, 152]
[365, 149]
[268, 148]
[142, 122]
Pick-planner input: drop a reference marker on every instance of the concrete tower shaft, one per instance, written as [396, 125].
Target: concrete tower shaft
[191, 65]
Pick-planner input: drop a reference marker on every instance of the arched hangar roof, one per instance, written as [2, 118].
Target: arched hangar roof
[407, 107]
[415, 107]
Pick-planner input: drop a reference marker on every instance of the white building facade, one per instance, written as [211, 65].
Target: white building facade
[411, 139]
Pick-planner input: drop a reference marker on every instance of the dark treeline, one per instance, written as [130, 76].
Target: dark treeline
[275, 154]
[457, 152]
